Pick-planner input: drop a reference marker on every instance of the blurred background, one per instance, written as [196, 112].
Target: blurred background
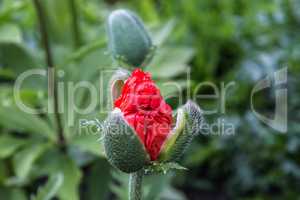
[219, 41]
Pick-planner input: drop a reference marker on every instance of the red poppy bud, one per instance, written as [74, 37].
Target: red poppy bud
[146, 111]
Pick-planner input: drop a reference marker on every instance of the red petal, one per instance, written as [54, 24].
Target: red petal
[146, 111]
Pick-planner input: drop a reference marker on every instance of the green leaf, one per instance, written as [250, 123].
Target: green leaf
[24, 160]
[119, 185]
[85, 51]
[170, 89]
[170, 61]
[72, 176]
[58, 15]
[98, 175]
[3, 171]
[56, 162]
[13, 118]
[16, 57]
[98, 63]
[10, 33]
[164, 33]
[160, 167]
[8, 8]
[12, 194]
[201, 155]
[89, 143]
[50, 189]
[9, 144]
[155, 184]
[171, 193]
[7, 74]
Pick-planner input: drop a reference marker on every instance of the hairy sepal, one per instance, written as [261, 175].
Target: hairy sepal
[188, 125]
[117, 83]
[123, 148]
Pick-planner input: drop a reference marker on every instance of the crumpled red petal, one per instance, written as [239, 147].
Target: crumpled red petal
[146, 111]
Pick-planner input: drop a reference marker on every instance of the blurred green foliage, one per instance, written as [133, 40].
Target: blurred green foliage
[222, 41]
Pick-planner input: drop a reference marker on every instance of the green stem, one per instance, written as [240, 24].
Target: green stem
[75, 24]
[50, 65]
[135, 185]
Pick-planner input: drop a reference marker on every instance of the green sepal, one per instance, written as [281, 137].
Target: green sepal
[171, 140]
[117, 83]
[123, 148]
[129, 41]
[188, 124]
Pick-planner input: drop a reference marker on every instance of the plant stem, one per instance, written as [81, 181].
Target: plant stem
[51, 70]
[135, 185]
[75, 24]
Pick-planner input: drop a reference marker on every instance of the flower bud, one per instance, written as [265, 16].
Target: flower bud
[128, 39]
[123, 148]
[146, 111]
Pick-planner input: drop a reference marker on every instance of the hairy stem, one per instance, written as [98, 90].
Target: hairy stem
[135, 185]
[75, 23]
[51, 70]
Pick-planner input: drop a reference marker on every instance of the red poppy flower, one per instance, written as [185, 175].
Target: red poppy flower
[146, 111]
